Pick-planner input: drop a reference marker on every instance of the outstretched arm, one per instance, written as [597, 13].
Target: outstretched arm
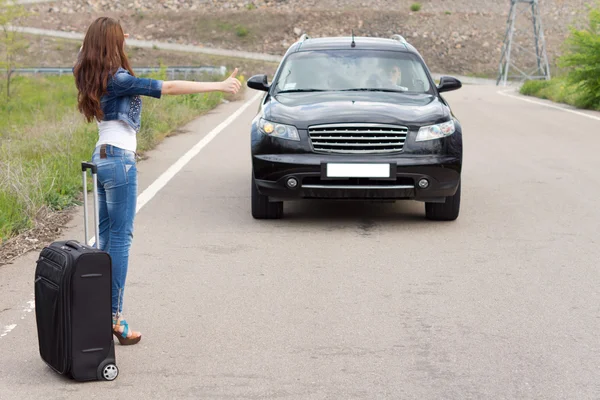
[229, 85]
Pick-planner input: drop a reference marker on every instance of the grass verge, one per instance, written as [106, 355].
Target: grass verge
[43, 139]
[558, 90]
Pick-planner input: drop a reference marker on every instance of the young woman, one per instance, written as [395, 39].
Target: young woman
[110, 93]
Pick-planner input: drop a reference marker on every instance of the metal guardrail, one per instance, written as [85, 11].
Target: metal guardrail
[222, 70]
[171, 71]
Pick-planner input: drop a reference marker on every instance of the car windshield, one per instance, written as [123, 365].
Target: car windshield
[353, 70]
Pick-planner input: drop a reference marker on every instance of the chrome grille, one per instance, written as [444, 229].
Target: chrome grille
[357, 138]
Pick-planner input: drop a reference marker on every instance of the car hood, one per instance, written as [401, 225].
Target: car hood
[306, 109]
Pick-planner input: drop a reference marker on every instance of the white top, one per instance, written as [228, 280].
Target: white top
[117, 133]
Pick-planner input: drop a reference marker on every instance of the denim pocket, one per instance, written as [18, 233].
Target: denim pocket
[106, 174]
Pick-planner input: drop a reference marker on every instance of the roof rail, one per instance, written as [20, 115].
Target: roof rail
[399, 38]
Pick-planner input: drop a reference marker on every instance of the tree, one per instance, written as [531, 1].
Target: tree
[11, 42]
[583, 60]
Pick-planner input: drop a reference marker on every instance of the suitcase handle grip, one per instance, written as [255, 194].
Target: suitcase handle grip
[86, 165]
[73, 244]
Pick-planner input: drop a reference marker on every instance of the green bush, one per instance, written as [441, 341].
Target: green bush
[241, 31]
[583, 61]
[415, 7]
[557, 89]
[533, 88]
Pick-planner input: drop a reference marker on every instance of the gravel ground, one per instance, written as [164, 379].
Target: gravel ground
[550, 7]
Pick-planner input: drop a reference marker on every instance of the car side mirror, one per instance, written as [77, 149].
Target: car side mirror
[448, 83]
[259, 82]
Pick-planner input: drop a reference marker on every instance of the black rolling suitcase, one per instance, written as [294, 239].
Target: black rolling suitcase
[73, 304]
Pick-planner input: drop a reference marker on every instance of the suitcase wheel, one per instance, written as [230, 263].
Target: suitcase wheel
[110, 372]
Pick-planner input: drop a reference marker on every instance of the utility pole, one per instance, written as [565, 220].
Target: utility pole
[514, 55]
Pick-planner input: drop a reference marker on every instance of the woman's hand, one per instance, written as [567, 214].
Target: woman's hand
[232, 84]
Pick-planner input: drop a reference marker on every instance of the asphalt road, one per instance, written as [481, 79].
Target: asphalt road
[355, 301]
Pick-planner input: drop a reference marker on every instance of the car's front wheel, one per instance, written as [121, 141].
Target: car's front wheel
[447, 211]
[262, 208]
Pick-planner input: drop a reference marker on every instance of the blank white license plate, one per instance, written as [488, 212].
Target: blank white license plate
[358, 170]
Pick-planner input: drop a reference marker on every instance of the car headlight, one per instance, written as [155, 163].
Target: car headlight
[436, 131]
[278, 130]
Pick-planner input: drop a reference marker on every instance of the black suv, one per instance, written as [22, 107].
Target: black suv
[355, 119]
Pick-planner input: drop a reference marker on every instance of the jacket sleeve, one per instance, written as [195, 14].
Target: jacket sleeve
[125, 84]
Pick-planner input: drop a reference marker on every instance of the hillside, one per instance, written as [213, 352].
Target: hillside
[455, 36]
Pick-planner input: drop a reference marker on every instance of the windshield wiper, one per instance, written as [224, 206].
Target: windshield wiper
[300, 90]
[373, 90]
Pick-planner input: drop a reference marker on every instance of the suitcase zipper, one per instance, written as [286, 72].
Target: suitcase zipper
[62, 254]
[67, 303]
[52, 263]
[48, 281]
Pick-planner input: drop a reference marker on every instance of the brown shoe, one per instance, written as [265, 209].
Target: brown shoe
[122, 332]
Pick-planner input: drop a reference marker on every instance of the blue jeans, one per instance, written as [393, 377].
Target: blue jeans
[117, 196]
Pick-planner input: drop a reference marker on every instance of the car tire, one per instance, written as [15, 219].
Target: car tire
[262, 208]
[447, 211]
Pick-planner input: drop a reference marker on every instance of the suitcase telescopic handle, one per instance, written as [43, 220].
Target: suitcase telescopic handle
[88, 165]
[84, 168]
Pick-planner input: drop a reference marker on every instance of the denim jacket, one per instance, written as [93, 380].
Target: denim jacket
[122, 98]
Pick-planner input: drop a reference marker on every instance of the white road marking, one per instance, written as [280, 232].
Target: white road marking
[158, 184]
[582, 114]
[8, 329]
[29, 307]
[162, 180]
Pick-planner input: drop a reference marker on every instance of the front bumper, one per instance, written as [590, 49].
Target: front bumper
[272, 172]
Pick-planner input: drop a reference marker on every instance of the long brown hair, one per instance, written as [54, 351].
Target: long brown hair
[102, 54]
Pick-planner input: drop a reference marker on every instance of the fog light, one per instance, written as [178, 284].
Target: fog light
[423, 183]
[292, 183]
